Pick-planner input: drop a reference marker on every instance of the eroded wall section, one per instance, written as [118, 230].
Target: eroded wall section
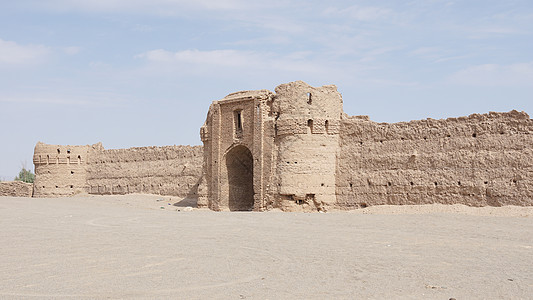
[67, 170]
[306, 140]
[16, 189]
[168, 170]
[478, 160]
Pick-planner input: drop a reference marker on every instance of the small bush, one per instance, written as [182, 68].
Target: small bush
[25, 176]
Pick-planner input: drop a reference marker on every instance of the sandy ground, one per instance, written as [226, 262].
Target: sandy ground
[135, 246]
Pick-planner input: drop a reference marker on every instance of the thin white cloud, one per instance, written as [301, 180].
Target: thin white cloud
[98, 65]
[278, 23]
[273, 39]
[72, 50]
[436, 54]
[490, 31]
[161, 7]
[297, 65]
[233, 59]
[373, 54]
[520, 74]
[361, 13]
[142, 28]
[44, 100]
[12, 53]
[62, 100]
[429, 53]
[389, 82]
[450, 58]
[71, 96]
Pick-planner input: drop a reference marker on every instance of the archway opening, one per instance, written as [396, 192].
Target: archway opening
[240, 172]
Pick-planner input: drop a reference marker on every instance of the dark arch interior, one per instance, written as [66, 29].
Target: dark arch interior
[239, 164]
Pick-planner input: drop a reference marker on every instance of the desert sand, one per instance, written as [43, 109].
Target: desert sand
[143, 246]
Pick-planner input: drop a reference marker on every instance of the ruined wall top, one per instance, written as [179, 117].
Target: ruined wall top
[298, 99]
[243, 95]
[511, 115]
[61, 154]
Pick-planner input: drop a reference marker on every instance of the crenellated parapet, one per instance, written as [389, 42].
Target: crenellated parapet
[59, 154]
[60, 170]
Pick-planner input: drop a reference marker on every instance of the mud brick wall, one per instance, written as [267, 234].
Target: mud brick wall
[169, 170]
[479, 160]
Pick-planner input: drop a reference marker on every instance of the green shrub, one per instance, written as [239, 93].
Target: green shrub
[25, 176]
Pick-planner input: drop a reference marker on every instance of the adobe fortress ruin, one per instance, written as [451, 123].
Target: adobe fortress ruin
[297, 150]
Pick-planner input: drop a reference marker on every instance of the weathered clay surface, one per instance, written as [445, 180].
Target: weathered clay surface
[168, 170]
[292, 138]
[67, 170]
[16, 189]
[60, 170]
[238, 140]
[479, 160]
[306, 145]
[314, 157]
[297, 150]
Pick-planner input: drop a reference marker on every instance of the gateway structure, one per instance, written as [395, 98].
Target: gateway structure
[295, 149]
[264, 149]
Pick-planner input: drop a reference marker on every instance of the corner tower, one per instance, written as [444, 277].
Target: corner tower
[60, 170]
[307, 121]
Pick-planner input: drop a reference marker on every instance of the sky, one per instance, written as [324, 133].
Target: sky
[132, 73]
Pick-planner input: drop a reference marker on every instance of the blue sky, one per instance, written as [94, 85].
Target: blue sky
[136, 73]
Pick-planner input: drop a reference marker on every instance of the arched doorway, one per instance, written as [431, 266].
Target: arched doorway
[240, 179]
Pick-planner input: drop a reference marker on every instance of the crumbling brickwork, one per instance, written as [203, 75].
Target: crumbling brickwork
[478, 160]
[168, 170]
[314, 157]
[68, 170]
[306, 145]
[16, 189]
[238, 141]
[60, 170]
[296, 150]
